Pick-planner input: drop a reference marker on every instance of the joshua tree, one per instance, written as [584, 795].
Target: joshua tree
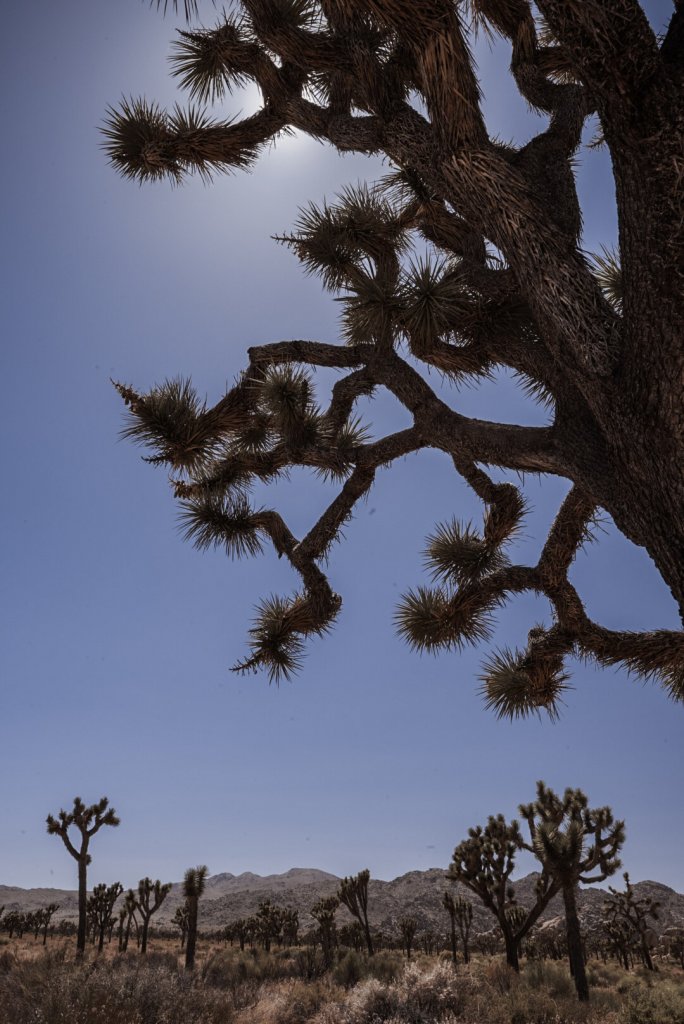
[484, 863]
[240, 929]
[46, 915]
[193, 887]
[450, 907]
[149, 890]
[574, 843]
[632, 912]
[180, 920]
[323, 912]
[85, 821]
[100, 909]
[290, 926]
[507, 284]
[269, 923]
[353, 892]
[460, 913]
[130, 906]
[408, 926]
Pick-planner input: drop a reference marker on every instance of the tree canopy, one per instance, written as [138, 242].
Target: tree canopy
[465, 258]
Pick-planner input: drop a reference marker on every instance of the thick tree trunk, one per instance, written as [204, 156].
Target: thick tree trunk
[453, 942]
[143, 942]
[192, 937]
[512, 957]
[575, 944]
[82, 900]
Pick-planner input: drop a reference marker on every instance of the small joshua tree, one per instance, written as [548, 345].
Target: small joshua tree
[180, 919]
[353, 892]
[193, 887]
[460, 913]
[100, 909]
[574, 843]
[484, 863]
[86, 821]
[156, 893]
[632, 912]
[323, 912]
[290, 926]
[408, 926]
[46, 915]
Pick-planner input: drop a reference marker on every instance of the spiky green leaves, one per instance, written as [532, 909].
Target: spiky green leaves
[433, 302]
[608, 273]
[170, 420]
[146, 143]
[217, 520]
[285, 394]
[211, 62]
[516, 684]
[432, 619]
[456, 554]
[334, 240]
[277, 637]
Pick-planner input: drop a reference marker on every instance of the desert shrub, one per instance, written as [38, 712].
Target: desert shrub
[497, 975]
[350, 969]
[660, 1004]
[384, 966]
[291, 1002]
[554, 978]
[309, 963]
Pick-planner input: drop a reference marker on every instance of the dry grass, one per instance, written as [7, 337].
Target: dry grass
[289, 987]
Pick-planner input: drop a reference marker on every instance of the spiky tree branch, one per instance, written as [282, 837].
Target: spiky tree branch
[597, 340]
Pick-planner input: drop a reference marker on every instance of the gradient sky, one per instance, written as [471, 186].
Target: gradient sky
[118, 637]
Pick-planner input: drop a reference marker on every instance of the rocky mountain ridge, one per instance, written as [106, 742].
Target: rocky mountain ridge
[416, 893]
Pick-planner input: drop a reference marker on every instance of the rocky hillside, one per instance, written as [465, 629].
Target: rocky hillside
[417, 894]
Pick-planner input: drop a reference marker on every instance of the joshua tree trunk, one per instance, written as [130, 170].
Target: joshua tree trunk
[82, 904]
[143, 939]
[575, 953]
[454, 942]
[512, 957]
[191, 941]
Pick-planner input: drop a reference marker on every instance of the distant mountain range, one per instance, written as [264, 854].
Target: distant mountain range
[417, 894]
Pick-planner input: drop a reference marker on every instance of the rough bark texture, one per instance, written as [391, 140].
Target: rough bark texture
[575, 951]
[604, 347]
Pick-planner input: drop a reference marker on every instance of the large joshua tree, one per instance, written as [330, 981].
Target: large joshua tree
[484, 863]
[506, 284]
[574, 843]
[83, 822]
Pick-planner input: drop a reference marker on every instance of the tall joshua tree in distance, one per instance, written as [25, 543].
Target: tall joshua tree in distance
[85, 821]
[574, 843]
[193, 887]
[484, 863]
[150, 891]
[506, 285]
[353, 892]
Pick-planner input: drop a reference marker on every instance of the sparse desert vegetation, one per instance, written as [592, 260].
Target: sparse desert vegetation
[292, 986]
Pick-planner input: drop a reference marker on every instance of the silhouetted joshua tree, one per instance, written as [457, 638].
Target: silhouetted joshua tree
[408, 926]
[484, 863]
[180, 919]
[574, 843]
[460, 911]
[193, 887]
[149, 890]
[323, 912]
[632, 912]
[86, 821]
[353, 892]
[46, 915]
[100, 909]
[504, 283]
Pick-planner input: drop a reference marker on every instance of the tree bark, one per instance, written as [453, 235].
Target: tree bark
[82, 901]
[575, 953]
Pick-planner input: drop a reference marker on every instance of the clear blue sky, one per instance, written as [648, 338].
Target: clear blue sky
[118, 637]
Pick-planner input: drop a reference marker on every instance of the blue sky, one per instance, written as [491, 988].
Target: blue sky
[118, 637]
